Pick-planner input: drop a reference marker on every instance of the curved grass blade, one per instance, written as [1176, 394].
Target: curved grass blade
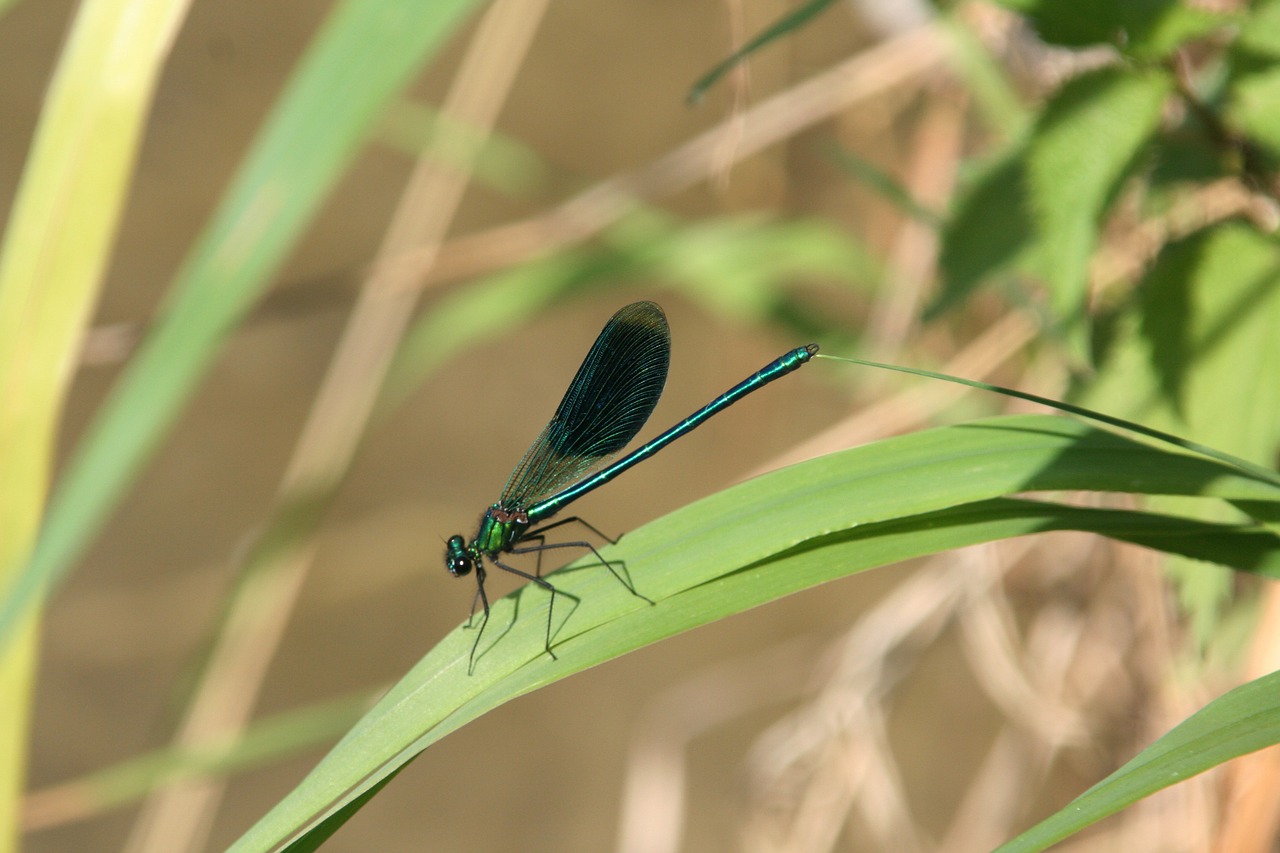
[367, 50]
[54, 251]
[825, 559]
[270, 739]
[776, 30]
[1177, 441]
[777, 534]
[1242, 721]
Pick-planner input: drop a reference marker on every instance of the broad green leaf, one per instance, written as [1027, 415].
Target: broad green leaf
[988, 232]
[1145, 28]
[1242, 721]
[1260, 30]
[1084, 145]
[1253, 91]
[1254, 106]
[787, 531]
[1210, 304]
[1184, 22]
[1210, 311]
[1128, 384]
[364, 54]
[736, 265]
[1182, 157]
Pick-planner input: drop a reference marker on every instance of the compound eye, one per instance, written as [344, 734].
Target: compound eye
[456, 558]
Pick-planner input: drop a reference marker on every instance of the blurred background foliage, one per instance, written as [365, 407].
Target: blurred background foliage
[290, 288]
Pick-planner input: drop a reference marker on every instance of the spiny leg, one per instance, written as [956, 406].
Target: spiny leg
[539, 548]
[542, 583]
[573, 519]
[474, 601]
[537, 533]
[587, 545]
[484, 599]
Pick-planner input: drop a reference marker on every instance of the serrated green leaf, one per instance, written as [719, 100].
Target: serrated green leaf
[1211, 308]
[1209, 304]
[1253, 88]
[1254, 107]
[774, 535]
[989, 231]
[1145, 28]
[1085, 144]
[1168, 32]
[1260, 30]
[1212, 305]
[1165, 316]
[735, 264]
[1182, 156]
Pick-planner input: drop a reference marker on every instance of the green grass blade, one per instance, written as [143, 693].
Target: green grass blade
[314, 839]
[1211, 452]
[483, 312]
[789, 530]
[55, 249]
[364, 54]
[1239, 722]
[886, 186]
[779, 28]
[268, 740]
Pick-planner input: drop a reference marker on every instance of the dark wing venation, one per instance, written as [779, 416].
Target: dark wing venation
[608, 401]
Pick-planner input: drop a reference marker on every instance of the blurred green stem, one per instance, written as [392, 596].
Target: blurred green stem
[52, 260]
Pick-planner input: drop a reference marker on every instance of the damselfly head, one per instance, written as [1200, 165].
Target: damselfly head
[457, 559]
